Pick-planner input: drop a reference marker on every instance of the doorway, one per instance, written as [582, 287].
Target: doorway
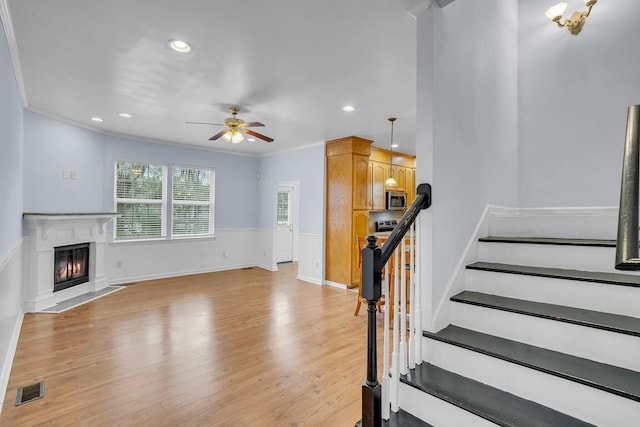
[285, 223]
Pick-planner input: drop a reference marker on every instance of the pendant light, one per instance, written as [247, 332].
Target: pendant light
[390, 182]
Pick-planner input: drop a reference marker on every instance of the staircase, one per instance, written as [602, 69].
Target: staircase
[545, 333]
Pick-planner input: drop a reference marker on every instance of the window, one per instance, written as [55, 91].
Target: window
[144, 193]
[140, 197]
[192, 212]
[284, 208]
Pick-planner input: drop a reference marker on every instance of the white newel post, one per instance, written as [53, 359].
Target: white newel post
[47, 231]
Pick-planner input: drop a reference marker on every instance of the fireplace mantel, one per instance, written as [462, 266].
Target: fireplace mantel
[49, 230]
[46, 220]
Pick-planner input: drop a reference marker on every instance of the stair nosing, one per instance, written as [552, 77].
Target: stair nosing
[459, 298]
[598, 243]
[475, 410]
[570, 377]
[556, 273]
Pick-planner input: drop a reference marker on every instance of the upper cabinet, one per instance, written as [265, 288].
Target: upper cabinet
[379, 174]
[360, 182]
[380, 169]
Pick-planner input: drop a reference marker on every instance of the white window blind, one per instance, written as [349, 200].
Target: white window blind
[192, 201]
[141, 198]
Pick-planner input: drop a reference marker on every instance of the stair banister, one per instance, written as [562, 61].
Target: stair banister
[373, 261]
[627, 242]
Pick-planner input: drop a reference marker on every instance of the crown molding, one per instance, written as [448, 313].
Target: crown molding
[7, 23]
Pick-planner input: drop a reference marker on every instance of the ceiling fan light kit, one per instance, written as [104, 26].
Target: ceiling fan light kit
[235, 128]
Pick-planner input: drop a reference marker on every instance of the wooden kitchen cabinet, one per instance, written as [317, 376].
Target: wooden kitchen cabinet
[403, 173]
[347, 203]
[356, 173]
[400, 175]
[379, 174]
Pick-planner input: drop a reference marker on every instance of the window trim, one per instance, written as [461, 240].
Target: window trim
[210, 203]
[167, 204]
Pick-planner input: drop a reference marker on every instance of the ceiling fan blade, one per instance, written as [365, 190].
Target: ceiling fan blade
[204, 123]
[253, 124]
[258, 135]
[218, 135]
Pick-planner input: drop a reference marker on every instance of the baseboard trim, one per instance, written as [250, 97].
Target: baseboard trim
[125, 280]
[308, 279]
[336, 284]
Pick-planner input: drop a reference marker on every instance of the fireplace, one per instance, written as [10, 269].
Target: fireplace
[48, 272]
[71, 266]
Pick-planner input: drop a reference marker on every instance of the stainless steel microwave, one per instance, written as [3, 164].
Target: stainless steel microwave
[396, 200]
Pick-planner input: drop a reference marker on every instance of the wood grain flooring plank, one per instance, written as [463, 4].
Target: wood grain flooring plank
[233, 348]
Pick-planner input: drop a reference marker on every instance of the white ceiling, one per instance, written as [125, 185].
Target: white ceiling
[290, 64]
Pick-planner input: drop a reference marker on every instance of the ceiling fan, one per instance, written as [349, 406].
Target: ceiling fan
[235, 128]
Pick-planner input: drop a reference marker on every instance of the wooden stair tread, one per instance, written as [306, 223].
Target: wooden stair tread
[490, 403]
[551, 241]
[559, 273]
[579, 316]
[613, 379]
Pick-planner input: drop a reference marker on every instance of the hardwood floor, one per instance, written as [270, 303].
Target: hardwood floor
[236, 348]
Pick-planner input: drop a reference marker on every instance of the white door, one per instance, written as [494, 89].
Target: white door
[284, 217]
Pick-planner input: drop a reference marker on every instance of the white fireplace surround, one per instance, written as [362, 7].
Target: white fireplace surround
[47, 231]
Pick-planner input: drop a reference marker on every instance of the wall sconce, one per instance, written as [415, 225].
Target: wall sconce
[577, 20]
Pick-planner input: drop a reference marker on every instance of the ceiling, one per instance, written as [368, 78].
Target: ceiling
[290, 64]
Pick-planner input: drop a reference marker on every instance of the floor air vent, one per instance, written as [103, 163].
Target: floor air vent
[29, 393]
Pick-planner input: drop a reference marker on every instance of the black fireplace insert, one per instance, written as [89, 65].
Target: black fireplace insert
[71, 266]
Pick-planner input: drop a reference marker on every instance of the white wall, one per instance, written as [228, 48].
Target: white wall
[306, 167]
[11, 166]
[573, 97]
[467, 124]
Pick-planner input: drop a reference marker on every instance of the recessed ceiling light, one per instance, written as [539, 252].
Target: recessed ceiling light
[348, 108]
[180, 46]
[251, 139]
[125, 115]
[97, 119]
[394, 145]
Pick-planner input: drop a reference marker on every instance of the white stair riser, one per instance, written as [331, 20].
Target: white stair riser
[586, 403]
[555, 256]
[581, 223]
[614, 299]
[590, 343]
[436, 411]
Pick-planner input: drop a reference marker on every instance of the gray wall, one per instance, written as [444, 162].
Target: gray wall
[11, 165]
[467, 114]
[11, 157]
[52, 146]
[573, 97]
[306, 166]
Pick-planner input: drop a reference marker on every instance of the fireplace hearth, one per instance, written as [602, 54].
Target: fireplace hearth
[71, 266]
